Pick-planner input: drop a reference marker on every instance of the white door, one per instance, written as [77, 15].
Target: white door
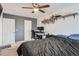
[27, 28]
[8, 31]
[0, 31]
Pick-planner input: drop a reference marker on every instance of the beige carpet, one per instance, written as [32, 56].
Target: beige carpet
[10, 51]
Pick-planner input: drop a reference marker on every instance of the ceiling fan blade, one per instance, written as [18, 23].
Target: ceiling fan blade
[44, 6]
[41, 11]
[28, 7]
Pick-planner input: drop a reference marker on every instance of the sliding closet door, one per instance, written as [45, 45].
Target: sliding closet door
[27, 28]
[0, 31]
[8, 31]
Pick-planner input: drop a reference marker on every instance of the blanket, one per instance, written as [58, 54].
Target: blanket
[52, 46]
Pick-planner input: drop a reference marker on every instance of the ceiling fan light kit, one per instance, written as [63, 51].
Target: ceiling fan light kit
[36, 9]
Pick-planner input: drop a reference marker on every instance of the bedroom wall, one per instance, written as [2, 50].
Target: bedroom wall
[63, 26]
[19, 28]
[19, 25]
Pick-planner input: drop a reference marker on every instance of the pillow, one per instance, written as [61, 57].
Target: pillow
[63, 36]
[74, 36]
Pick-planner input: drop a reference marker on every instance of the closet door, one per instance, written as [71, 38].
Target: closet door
[0, 31]
[8, 31]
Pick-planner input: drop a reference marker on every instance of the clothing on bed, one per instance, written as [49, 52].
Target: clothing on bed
[53, 46]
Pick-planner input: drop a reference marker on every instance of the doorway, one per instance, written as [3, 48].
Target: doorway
[27, 30]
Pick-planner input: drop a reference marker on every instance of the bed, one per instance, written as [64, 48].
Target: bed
[52, 46]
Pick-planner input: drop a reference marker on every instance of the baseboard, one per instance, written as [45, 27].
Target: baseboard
[6, 46]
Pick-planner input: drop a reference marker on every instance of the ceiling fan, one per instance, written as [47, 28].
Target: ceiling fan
[36, 7]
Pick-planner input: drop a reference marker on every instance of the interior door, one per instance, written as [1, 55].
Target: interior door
[27, 28]
[8, 31]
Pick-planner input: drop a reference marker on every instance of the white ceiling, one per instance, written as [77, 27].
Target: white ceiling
[55, 8]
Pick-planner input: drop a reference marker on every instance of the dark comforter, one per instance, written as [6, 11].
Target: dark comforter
[53, 46]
